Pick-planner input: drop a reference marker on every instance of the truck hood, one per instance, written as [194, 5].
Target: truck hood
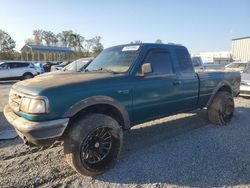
[40, 83]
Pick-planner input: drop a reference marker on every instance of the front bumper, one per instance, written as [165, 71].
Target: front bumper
[245, 90]
[36, 133]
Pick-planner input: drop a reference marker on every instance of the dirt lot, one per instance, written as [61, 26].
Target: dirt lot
[181, 150]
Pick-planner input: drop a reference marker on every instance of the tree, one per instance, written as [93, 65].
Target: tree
[158, 41]
[29, 41]
[64, 38]
[75, 41]
[98, 47]
[68, 38]
[6, 42]
[49, 37]
[7, 45]
[89, 43]
[136, 42]
[38, 37]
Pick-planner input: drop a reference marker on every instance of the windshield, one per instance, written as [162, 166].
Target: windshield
[64, 63]
[70, 67]
[117, 59]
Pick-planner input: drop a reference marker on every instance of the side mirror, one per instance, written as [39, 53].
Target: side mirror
[146, 68]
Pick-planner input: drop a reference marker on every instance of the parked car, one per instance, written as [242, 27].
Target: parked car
[14, 70]
[75, 66]
[60, 66]
[213, 66]
[39, 68]
[124, 86]
[199, 65]
[47, 65]
[245, 82]
[237, 66]
[78, 65]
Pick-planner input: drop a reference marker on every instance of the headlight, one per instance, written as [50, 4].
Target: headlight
[33, 106]
[10, 95]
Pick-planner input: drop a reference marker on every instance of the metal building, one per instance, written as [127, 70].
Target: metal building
[241, 49]
[45, 53]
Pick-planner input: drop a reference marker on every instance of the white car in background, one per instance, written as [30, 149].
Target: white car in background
[75, 66]
[199, 65]
[78, 65]
[245, 82]
[60, 66]
[237, 66]
[14, 70]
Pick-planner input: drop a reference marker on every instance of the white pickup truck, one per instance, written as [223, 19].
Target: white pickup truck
[199, 65]
[14, 70]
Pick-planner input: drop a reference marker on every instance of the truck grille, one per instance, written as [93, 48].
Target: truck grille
[15, 100]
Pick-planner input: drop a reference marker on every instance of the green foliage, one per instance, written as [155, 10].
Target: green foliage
[136, 42]
[38, 36]
[7, 45]
[97, 47]
[82, 47]
[159, 41]
[50, 38]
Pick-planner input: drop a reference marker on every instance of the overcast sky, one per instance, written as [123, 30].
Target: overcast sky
[200, 25]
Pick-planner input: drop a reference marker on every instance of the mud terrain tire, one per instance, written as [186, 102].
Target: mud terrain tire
[93, 144]
[221, 110]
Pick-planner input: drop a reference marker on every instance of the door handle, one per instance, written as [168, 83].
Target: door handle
[177, 82]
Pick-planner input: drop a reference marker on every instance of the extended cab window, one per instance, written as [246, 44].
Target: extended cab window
[160, 61]
[184, 61]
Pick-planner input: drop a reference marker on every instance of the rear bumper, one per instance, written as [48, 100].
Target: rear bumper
[245, 90]
[36, 133]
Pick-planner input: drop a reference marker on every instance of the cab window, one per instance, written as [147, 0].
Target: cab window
[184, 60]
[160, 61]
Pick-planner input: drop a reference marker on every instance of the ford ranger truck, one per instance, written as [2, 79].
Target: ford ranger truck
[124, 86]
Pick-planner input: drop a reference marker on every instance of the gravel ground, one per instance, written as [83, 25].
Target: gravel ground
[4, 92]
[178, 151]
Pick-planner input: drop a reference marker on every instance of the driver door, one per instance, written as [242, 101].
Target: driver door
[156, 94]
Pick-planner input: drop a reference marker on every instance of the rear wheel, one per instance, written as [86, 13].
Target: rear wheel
[220, 112]
[93, 144]
[27, 76]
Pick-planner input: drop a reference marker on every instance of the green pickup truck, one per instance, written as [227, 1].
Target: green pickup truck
[124, 86]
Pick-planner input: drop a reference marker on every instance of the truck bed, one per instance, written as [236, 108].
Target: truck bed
[209, 81]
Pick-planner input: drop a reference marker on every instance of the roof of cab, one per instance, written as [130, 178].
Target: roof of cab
[152, 45]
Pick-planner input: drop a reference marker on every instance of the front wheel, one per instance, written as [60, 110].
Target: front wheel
[93, 144]
[221, 110]
[27, 76]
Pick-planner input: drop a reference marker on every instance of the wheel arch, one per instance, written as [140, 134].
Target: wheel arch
[222, 86]
[100, 104]
[28, 73]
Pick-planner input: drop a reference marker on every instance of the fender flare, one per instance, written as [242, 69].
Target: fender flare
[95, 100]
[217, 88]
